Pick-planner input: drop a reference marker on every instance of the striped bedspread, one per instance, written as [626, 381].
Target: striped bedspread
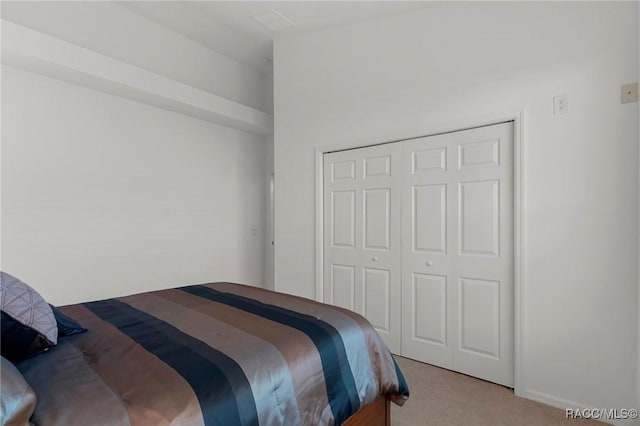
[212, 354]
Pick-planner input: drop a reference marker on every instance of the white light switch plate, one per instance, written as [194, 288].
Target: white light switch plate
[629, 93]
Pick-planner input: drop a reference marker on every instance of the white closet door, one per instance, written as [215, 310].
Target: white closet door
[457, 279]
[362, 263]
[428, 239]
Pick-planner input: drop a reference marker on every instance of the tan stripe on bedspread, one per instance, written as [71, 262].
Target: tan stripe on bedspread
[152, 392]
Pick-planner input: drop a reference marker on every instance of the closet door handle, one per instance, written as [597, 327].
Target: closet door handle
[429, 263]
[374, 259]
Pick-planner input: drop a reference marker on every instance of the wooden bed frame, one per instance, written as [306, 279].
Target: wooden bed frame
[378, 413]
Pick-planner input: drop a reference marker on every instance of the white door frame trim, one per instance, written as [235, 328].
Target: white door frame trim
[518, 118]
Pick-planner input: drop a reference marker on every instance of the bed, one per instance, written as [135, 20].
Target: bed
[215, 354]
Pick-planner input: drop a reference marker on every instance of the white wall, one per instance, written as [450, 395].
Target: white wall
[459, 64]
[102, 196]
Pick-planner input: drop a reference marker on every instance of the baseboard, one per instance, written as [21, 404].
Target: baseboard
[565, 403]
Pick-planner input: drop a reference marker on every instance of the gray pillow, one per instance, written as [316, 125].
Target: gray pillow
[17, 399]
[25, 305]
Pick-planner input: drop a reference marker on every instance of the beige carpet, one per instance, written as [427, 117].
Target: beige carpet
[441, 397]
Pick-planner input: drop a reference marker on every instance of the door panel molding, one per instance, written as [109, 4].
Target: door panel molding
[438, 313]
[422, 195]
[470, 241]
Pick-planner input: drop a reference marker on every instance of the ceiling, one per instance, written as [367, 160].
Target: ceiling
[229, 27]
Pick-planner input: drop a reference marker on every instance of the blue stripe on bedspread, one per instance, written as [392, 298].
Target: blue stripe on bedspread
[341, 388]
[229, 402]
[403, 387]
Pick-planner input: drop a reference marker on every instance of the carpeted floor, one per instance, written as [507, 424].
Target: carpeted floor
[442, 397]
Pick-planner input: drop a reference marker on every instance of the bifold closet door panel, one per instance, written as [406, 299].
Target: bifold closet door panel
[428, 234]
[457, 278]
[484, 273]
[362, 267]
